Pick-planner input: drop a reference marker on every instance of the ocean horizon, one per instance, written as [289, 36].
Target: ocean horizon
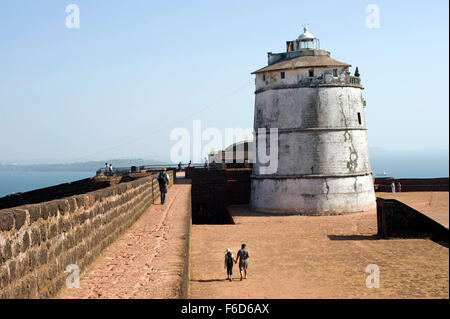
[383, 165]
[24, 181]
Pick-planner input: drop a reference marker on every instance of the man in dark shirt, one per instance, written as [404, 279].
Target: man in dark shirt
[243, 256]
[163, 180]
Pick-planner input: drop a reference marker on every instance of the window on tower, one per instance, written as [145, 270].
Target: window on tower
[359, 118]
[282, 75]
[335, 72]
[264, 77]
[311, 73]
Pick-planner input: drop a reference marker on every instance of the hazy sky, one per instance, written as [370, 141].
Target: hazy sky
[135, 70]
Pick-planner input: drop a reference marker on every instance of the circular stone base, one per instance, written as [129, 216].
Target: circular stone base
[318, 196]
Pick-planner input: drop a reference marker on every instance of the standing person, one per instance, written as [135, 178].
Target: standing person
[208, 216]
[206, 163]
[163, 180]
[229, 258]
[243, 256]
[110, 169]
[393, 187]
[179, 166]
[190, 164]
[399, 187]
[106, 169]
[202, 217]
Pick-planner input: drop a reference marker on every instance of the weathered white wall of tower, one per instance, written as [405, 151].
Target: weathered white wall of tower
[310, 107]
[323, 159]
[315, 196]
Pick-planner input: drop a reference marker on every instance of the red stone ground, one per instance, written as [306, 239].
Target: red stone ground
[315, 257]
[291, 257]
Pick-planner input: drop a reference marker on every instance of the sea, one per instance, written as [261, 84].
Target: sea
[383, 164]
[23, 181]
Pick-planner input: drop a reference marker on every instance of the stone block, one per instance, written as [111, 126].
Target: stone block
[45, 212]
[35, 212]
[66, 225]
[60, 225]
[32, 287]
[32, 261]
[35, 237]
[4, 277]
[25, 241]
[6, 220]
[58, 248]
[52, 231]
[50, 209]
[20, 216]
[43, 231]
[72, 204]
[21, 268]
[16, 249]
[12, 270]
[42, 255]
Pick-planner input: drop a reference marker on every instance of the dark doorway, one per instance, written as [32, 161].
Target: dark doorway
[203, 213]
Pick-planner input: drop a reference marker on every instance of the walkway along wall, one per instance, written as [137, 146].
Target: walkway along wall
[38, 241]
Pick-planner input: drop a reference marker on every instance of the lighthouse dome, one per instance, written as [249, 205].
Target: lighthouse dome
[306, 35]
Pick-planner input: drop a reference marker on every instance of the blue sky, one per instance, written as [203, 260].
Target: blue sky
[135, 70]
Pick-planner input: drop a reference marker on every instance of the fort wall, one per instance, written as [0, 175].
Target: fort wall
[38, 241]
[398, 220]
[413, 184]
[72, 188]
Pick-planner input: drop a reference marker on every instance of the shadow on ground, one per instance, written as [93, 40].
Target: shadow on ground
[353, 237]
[182, 180]
[208, 280]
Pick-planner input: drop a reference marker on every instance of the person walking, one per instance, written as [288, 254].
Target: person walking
[242, 256]
[399, 187]
[229, 258]
[163, 180]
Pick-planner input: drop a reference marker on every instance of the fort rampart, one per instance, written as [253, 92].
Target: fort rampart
[398, 220]
[38, 241]
[412, 184]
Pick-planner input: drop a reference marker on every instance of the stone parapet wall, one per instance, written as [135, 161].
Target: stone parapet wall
[69, 189]
[54, 192]
[398, 220]
[38, 241]
[413, 184]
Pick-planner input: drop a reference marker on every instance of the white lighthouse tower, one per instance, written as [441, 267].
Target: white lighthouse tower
[318, 109]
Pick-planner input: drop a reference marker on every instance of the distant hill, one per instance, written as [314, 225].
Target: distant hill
[90, 166]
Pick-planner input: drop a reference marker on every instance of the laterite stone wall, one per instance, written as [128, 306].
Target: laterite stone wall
[413, 184]
[38, 241]
[398, 220]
